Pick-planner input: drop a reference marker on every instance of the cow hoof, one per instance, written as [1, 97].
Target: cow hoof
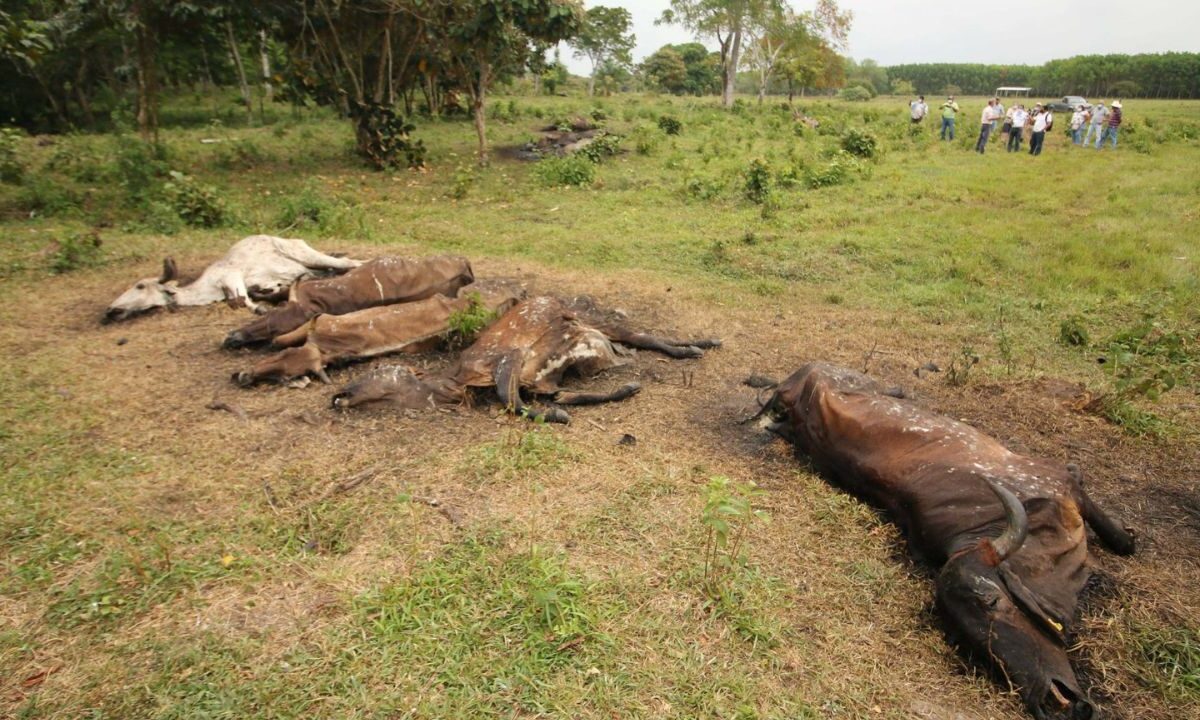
[691, 351]
[234, 340]
[556, 415]
[242, 379]
[341, 401]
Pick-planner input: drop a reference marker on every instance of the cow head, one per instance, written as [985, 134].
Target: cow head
[995, 617]
[396, 385]
[283, 366]
[146, 295]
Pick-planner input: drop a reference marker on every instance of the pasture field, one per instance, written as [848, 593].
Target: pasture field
[274, 559]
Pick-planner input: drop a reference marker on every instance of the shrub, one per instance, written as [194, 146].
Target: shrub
[571, 170]
[670, 124]
[727, 516]
[41, 195]
[384, 138]
[702, 188]
[854, 94]
[75, 252]
[197, 205]
[11, 167]
[464, 178]
[645, 140]
[758, 181]
[139, 166]
[836, 172]
[466, 324]
[603, 145]
[304, 209]
[860, 143]
[599, 115]
[1072, 332]
[77, 160]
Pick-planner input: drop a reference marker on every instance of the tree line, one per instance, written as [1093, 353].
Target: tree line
[1150, 75]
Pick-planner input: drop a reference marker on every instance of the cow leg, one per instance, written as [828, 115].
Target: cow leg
[236, 294]
[1116, 538]
[564, 397]
[507, 377]
[302, 253]
[644, 341]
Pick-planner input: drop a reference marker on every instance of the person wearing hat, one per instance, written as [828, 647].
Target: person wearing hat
[1114, 124]
[1096, 127]
[1077, 121]
[1043, 120]
[949, 112]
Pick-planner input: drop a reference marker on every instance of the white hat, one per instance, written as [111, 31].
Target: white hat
[1116, 103]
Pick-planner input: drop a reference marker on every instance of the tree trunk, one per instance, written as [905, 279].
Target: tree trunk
[479, 110]
[147, 84]
[208, 78]
[265, 62]
[241, 70]
[729, 76]
[81, 96]
[592, 83]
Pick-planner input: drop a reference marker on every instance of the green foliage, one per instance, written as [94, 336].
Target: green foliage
[961, 365]
[727, 517]
[700, 187]
[758, 184]
[520, 454]
[468, 323]
[603, 145]
[1073, 333]
[645, 139]
[670, 124]
[45, 196]
[573, 170]
[1151, 359]
[854, 94]
[384, 137]
[75, 252]
[140, 165]
[860, 143]
[464, 178]
[304, 209]
[196, 204]
[836, 172]
[12, 168]
[1173, 656]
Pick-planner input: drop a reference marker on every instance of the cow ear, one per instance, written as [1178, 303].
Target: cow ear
[1033, 604]
[170, 271]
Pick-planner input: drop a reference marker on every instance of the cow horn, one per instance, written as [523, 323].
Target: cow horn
[1018, 522]
[170, 271]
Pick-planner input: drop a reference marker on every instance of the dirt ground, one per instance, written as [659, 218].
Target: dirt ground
[154, 378]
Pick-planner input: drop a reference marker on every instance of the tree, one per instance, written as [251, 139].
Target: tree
[810, 59]
[666, 71]
[725, 20]
[605, 40]
[772, 34]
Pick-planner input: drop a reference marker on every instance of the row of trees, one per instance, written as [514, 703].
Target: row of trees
[1160, 75]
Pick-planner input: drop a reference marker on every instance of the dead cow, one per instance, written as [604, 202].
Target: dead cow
[405, 328]
[530, 348]
[383, 281]
[259, 267]
[1006, 530]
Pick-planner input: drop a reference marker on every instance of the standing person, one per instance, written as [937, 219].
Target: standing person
[918, 110]
[997, 115]
[1114, 124]
[949, 112]
[1043, 120]
[1019, 118]
[1077, 121]
[986, 122]
[1006, 129]
[1096, 127]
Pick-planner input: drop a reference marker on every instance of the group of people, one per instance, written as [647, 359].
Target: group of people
[1086, 121]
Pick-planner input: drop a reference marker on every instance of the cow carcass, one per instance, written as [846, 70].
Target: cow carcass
[383, 281]
[1006, 530]
[256, 268]
[529, 349]
[411, 327]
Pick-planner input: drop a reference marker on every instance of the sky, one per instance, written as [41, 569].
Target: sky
[1004, 31]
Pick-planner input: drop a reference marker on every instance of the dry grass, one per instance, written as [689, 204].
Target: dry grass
[244, 579]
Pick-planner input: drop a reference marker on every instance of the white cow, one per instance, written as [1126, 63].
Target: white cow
[259, 267]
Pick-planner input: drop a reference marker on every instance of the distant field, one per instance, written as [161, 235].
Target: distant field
[161, 559]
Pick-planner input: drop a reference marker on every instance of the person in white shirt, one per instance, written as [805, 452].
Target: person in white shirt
[1043, 120]
[918, 109]
[1017, 132]
[987, 122]
[1077, 121]
[997, 115]
[1098, 123]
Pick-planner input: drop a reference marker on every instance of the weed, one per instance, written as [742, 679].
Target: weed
[518, 454]
[75, 252]
[466, 324]
[727, 516]
[197, 205]
[1073, 333]
[959, 371]
[1173, 655]
[860, 143]
[700, 187]
[758, 182]
[573, 170]
[139, 166]
[304, 209]
[645, 139]
[464, 178]
[603, 145]
[670, 124]
[42, 195]
[12, 168]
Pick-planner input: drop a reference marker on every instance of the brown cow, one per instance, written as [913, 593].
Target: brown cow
[383, 281]
[530, 348]
[1006, 530]
[408, 328]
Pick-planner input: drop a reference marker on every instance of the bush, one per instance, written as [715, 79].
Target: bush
[854, 94]
[670, 124]
[464, 178]
[304, 209]
[860, 143]
[834, 173]
[77, 160]
[571, 170]
[197, 205]
[1072, 332]
[40, 195]
[466, 324]
[384, 138]
[11, 167]
[702, 188]
[645, 139]
[603, 145]
[75, 252]
[758, 181]
[139, 166]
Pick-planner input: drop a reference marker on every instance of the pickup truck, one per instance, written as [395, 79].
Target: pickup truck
[1067, 104]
